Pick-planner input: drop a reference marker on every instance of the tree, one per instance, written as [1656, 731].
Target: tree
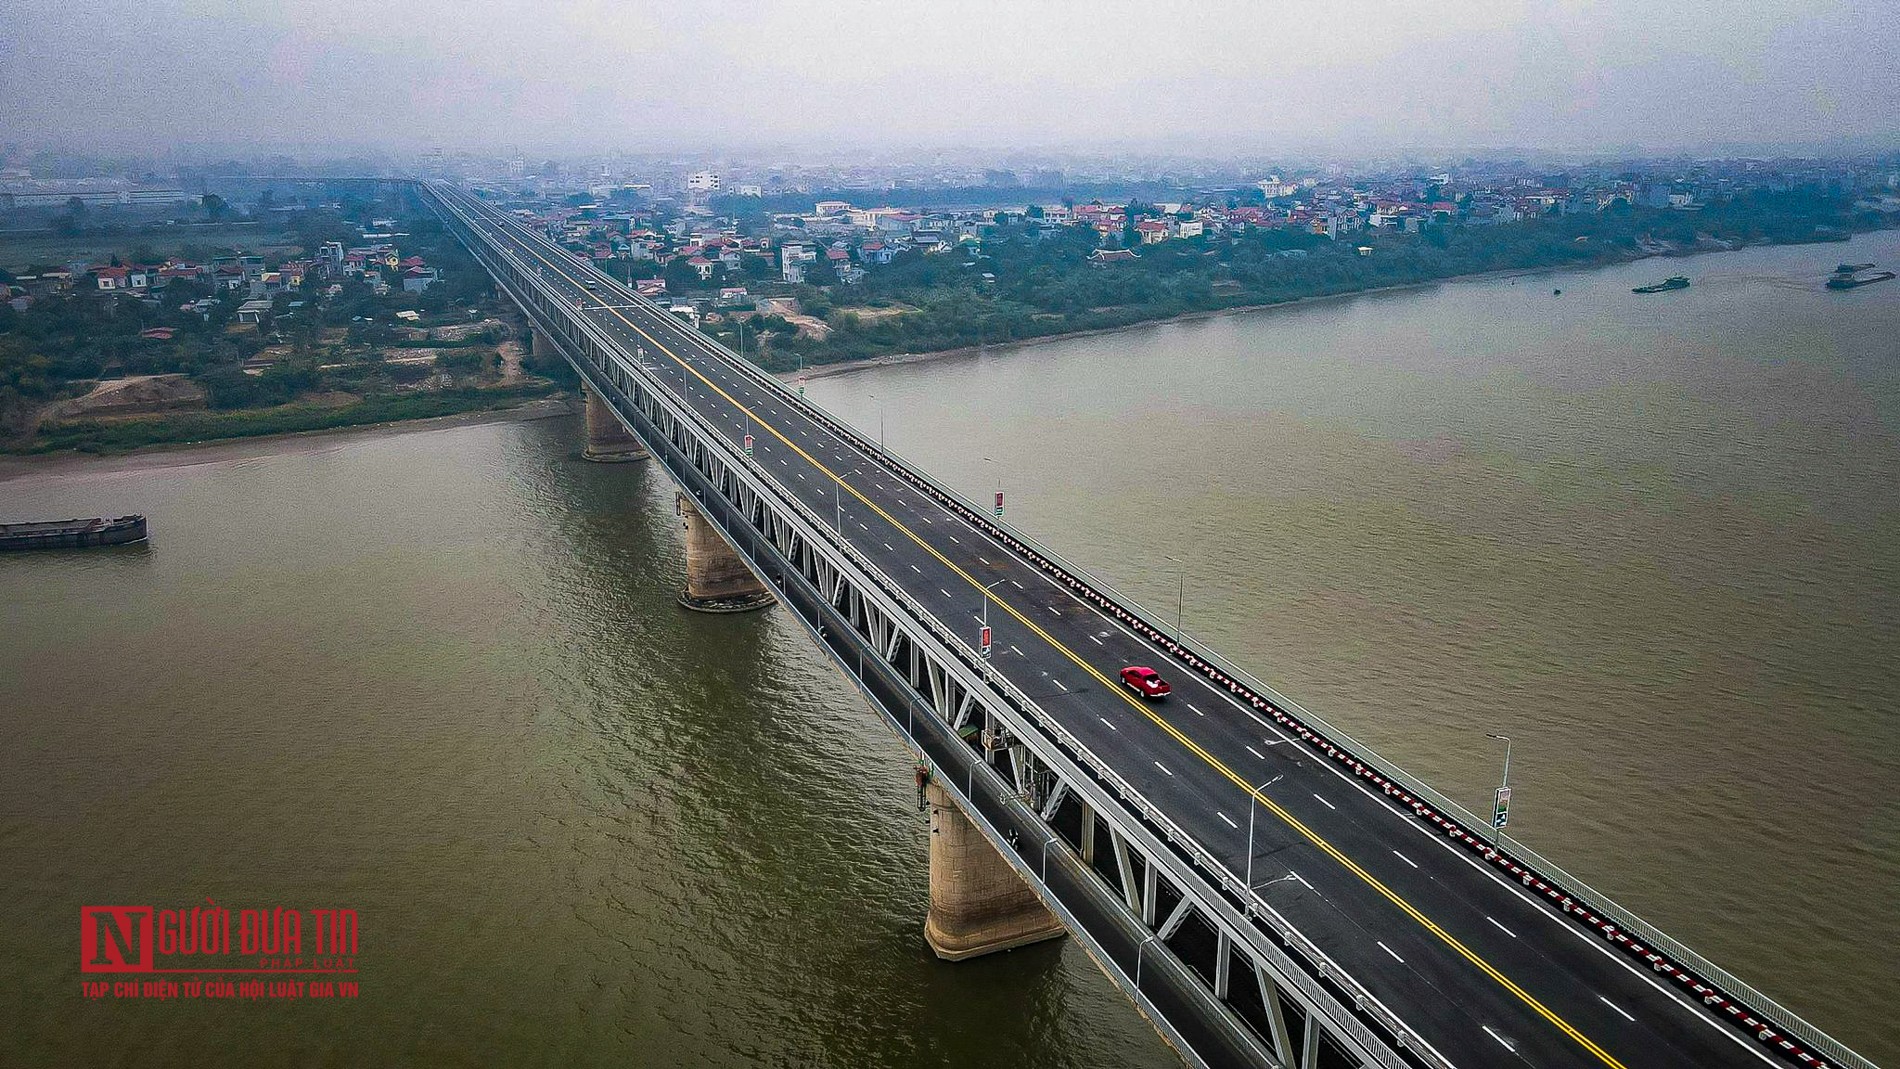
[214, 206]
[71, 222]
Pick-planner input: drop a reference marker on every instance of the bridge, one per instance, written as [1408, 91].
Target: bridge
[1267, 890]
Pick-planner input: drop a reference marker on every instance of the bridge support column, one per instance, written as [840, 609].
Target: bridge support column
[978, 904]
[607, 441]
[717, 578]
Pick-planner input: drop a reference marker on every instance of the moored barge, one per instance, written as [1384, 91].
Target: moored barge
[72, 534]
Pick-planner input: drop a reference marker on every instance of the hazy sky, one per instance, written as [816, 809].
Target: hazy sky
[1243, 76]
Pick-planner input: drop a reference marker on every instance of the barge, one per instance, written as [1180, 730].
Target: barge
[72, 534]
[1673, 282]
[1848, 282]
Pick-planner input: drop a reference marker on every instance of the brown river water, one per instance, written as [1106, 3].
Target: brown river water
[438, 676]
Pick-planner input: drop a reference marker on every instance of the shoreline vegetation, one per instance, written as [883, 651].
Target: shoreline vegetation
[198, 355]
[541, 399]
[170, 454]
[198, 427]
[337, 371]
[1026, 285]
[853, 364]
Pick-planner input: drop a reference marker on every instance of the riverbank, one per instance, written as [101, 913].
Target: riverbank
[162, 454]
[843, 367]
[190, 428]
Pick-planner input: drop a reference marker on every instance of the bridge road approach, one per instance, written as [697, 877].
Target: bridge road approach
[1489, 974]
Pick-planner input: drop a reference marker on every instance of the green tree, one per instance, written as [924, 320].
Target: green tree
[73, 221]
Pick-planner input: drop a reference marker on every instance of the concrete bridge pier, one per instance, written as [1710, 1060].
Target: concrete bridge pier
[608, 442]
[717, 578]
[978, 904]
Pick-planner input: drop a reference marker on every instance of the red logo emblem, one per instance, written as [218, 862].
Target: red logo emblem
[115, 939]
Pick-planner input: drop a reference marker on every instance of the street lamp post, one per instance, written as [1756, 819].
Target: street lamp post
[880, 420]
[999, 484]
[1253, 795]
[1180, 593]
[1504, 787]
[837, 500]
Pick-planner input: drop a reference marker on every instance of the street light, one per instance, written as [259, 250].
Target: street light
[1253, 795]
[837, 499]
[1180, 594]
[999, 484]
[1503, 796]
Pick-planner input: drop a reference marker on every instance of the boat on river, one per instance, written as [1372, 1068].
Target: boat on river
[1855, 281]
[72, 534]
[1673, 282]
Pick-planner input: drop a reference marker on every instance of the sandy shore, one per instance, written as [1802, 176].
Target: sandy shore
[182, 455]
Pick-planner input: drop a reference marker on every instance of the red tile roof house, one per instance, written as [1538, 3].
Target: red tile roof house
[703, 266]
[112, 278]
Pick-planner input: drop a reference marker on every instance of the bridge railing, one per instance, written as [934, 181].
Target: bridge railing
[1197, 854]
[1719, 989]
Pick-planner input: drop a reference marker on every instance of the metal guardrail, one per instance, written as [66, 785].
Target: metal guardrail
[1619, 916]
[1229, 882]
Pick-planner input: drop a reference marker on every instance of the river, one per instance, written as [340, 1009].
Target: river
[438, 676]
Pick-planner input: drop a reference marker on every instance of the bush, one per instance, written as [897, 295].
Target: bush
[468, 360]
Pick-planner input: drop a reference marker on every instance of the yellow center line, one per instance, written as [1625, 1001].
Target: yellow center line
[1288, 818]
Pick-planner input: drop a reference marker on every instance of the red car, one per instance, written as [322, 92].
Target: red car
[1143, 681]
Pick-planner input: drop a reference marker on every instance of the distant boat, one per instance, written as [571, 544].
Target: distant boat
[1673, 282]
[72, 534]
[1852, 281]
[1851, 269]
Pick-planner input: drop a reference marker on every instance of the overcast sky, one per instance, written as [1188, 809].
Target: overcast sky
[1349, 76]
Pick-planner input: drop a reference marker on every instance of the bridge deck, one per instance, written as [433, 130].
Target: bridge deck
[1489, 974]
